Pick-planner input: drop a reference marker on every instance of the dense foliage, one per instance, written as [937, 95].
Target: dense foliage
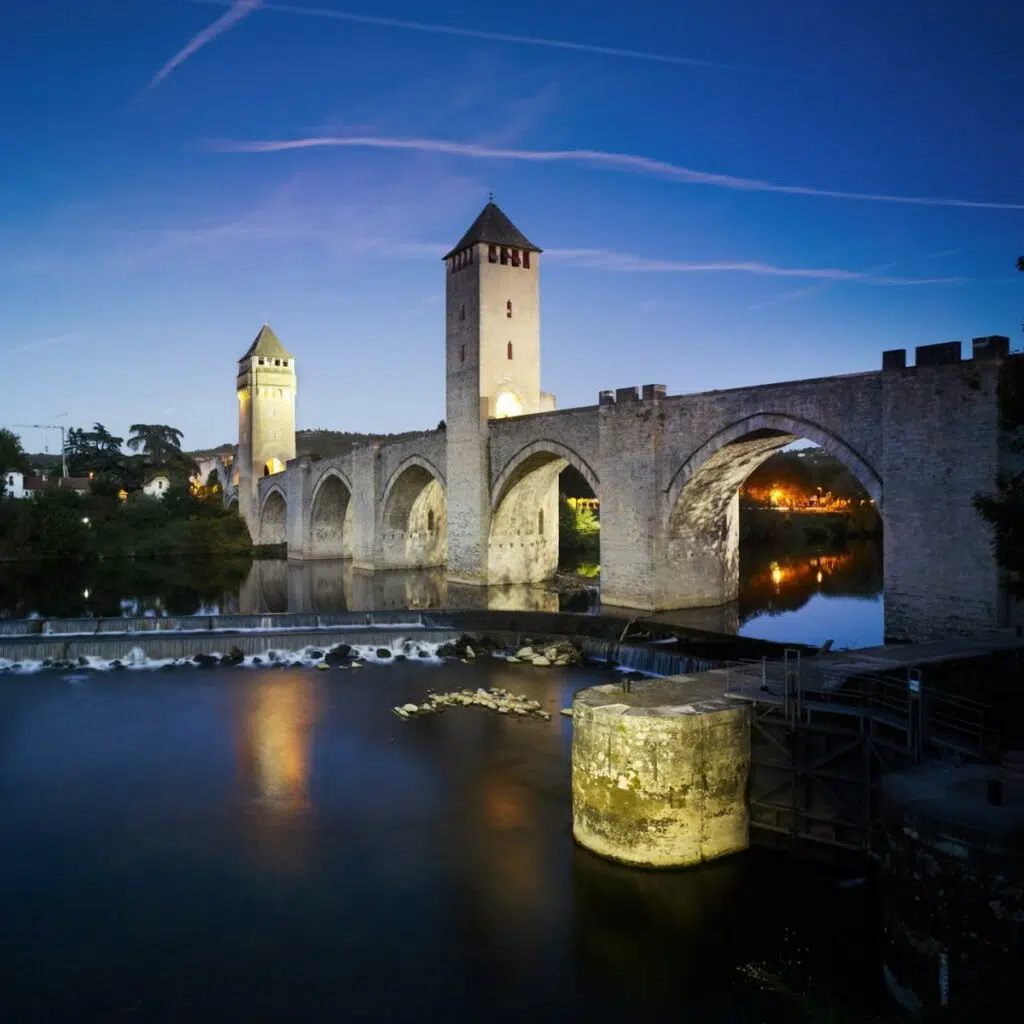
[12, 457]
[63, 524]
[579, 531]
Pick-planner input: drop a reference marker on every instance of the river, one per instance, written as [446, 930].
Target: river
[804, 598]
[275, 845]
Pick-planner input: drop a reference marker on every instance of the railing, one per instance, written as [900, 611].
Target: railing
[927, 717]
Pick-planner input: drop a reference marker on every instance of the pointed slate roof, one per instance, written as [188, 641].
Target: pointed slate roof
[494, 228]
[267, 343]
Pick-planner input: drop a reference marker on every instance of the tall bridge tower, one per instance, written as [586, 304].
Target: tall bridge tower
[492, 319]
[266, 418]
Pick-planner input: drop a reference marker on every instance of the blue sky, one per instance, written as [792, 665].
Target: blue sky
[144, 238]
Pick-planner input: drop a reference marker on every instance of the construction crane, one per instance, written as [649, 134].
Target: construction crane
[63, 442]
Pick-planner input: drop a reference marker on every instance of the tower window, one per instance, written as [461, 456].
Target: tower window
[469, 255]
[508, 309]
[430, 521]
[462, 354]
[540, 521]
[492, 254]
[526, 258]
[515, 257]
[462, 312]
[509, 350]
[504, 256]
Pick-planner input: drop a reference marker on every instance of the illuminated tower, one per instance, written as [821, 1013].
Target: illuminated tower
[266, 417]
[493, 369]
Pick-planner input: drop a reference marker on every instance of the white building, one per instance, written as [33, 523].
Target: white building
[157, 486]
[14, 485]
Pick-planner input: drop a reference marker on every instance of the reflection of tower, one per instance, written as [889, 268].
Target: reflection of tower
[274, 744]
[266, 386]
[493, 368]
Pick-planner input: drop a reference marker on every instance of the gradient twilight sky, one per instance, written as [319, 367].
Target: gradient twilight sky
[141, 246]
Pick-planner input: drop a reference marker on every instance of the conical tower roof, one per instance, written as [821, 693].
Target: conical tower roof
[494, 228]
[267, 344]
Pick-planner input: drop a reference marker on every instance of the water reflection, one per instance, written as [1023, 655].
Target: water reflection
[801, 597]
[273, 722]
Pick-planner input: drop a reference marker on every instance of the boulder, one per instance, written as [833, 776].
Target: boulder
[383, 652]
[541, 661]
[338, 654]
[206, 660]
[234, 657]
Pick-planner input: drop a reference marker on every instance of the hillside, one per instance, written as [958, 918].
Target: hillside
[322, 444]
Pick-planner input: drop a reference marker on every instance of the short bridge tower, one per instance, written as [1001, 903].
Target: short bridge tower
[266, 418]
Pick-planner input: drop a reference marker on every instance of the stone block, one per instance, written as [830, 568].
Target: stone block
[939, 354]
[651, 391]
[894, 359]
[659, 775]
[627, 394]
[995, 346]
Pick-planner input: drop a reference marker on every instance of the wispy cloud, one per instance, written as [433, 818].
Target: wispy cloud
[626, 162]
[871, 272]
[33, 346]
[498, 37]
[605, 259]
[237, 11]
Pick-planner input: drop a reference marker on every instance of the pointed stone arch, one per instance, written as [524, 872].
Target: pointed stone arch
[701, 555]
[532, 457]
[414, 516]
[273, 517]
[756, 438]
[330, 516]
[523, 542]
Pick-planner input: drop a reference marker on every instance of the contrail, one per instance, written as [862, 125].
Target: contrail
[45, 343]
[238, 10]
[471, 33]
[626, 162]
[605, 259]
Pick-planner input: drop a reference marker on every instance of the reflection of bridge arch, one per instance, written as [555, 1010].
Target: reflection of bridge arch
[330, 518]
[523, 543]
[274, 517]
[414, 516]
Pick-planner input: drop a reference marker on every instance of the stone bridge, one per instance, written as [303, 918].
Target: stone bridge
[667, 470]
[481, 496]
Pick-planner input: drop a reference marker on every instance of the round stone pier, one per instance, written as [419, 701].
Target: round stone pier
[659, 774]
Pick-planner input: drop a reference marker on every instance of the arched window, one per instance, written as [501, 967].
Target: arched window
[508, 309]
[509, 350]
[430, 521]
[540, 521]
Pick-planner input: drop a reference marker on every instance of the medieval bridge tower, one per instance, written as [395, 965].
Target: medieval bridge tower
[492, 327]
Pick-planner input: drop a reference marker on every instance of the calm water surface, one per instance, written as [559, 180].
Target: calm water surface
[807, 598]
[277, 846]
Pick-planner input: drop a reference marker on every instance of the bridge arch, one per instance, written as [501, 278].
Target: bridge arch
[330, 516]
[414, 516]
[523, 542]
[273, 517]
[702, 501]
[730, 456]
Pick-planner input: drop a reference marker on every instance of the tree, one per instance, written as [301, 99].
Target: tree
[94, 451]
[12, 456]
[159, 443]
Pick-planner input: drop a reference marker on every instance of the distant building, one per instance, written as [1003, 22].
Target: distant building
[14, 486]
[156, 487]
[32, 485]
